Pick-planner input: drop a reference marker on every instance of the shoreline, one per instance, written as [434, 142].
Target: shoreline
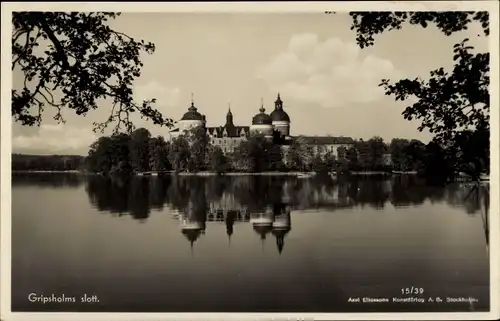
[291, 174]
[47, 172]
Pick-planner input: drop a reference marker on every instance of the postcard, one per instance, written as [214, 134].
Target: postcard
[250, 161]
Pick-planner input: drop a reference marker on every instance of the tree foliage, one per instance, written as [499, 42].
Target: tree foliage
[74, 60]
[123, 153]
[179, 153]
[219, 162]
[450, 104]
[369, 24]
[139, 149]
[158, 154]
[47, 162]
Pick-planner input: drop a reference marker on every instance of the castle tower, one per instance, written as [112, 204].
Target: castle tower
[229, 117]
[192, 118]
[281, 226]
[280, 119]
[262, 123]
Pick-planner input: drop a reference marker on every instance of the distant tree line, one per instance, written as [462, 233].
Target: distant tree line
[47, 162]
[192, 152]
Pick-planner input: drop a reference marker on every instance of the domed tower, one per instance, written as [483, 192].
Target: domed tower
[192, 118]
[280, 119]
[282, 225]
[262, 223]
[262, 123]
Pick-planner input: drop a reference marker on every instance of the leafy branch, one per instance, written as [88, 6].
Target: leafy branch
[74, 60]
[453, 105]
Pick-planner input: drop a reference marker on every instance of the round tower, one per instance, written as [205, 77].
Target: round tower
[192, 118]
[280, 119]
[262, 124]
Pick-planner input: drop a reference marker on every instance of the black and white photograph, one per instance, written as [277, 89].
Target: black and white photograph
[250, 160]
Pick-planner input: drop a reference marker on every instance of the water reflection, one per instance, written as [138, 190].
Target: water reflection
[333, 250]
[49, 180]
[264, 202]
[138, 196]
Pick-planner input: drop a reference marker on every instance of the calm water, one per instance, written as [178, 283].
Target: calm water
[245, 244]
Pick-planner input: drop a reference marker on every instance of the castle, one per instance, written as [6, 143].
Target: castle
[275, 125]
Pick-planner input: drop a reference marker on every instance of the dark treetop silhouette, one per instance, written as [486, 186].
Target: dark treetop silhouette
[74, 60]
[454, 105]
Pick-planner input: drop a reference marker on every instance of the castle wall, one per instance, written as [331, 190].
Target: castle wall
[283, 127]
[262, 129]
[227, 144]
[189, 124]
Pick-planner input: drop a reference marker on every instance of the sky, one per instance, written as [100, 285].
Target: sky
[329, 85]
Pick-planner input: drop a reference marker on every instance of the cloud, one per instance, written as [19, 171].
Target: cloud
[165, 96]
[331, 73]
[55, 139]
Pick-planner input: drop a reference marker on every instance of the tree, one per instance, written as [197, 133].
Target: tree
[318, 165]
[363, 154]
[450, 103]
[301, 154]
[251, 154]
[110, 155]
[295, 155]
[330, 161]
[377, 149]
[46, 162]
[139, 149]
[100, 158]
[158, 154]
[439, 164]
[471, 148]
[179, 153]
[415, 154]
[399, 158]
[74, 60]
[352, 158]
[275, 158]
[120, 153]
[218, 161]
[199, 146]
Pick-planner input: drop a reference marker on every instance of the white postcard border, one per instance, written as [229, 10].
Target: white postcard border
[244, 7]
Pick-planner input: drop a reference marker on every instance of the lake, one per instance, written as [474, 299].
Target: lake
[247, 244]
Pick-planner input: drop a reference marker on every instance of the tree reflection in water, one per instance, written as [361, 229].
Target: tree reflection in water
[47, 180]
[232, 199]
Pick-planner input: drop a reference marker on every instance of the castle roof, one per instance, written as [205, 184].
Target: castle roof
[192, 114]
[279, 115]
[262, 118]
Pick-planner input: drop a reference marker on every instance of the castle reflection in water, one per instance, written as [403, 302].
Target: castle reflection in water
[262, 203]
[274, 220]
